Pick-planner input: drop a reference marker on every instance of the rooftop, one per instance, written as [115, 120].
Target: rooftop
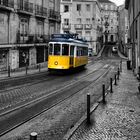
[105, 1]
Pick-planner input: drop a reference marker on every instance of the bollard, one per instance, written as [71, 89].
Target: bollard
[111, 89]
[8, 71]
[88, 108]
[118, 73]
[39, 67]
[26, 68]
[103, 93]
[139, 73]
[121, 66]
[33, 136]
[115, 83]
[139, 87]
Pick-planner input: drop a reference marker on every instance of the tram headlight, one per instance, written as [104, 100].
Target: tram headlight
[56, 63]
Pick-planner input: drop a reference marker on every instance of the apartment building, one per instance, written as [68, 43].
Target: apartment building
[133, 7]
[84, 18]
[25, 28]
[123, 29]
[110, 21]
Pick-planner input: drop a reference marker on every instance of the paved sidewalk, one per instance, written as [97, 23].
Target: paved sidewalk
[4, 75]
[119, 118]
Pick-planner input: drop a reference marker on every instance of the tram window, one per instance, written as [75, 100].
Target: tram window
[65, 49]
[72, 51]
[51, 49]
[56, 49]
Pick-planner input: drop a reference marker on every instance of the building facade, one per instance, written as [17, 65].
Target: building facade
[133, 7]
[110, 21]
[25, 28]
[82, 17]
[123, 29]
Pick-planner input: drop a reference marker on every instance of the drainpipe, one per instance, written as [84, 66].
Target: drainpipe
[133, 46]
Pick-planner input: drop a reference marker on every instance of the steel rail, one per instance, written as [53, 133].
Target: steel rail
[37, 101]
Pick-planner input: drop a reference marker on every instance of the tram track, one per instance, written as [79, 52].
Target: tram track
[47, 99]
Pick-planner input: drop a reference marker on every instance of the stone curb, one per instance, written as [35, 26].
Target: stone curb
[77, 125]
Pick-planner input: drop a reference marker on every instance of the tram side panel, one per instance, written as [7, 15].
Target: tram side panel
[81, 57]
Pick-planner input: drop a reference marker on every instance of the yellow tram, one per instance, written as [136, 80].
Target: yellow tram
[67, 51]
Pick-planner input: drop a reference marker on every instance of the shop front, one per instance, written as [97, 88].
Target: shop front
[23, 57]
[3, 59]
[41, 53]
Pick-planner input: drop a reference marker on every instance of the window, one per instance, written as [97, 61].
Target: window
[79, 33]
[65, 49]
[88, 7]
[79, 20]
[66, 21]
[51, 49]
[72, 51]
[88, 33]
[66, 8]
[40, 26]
[56, 49]
[24, 27]
[88, 20]
[78, 7]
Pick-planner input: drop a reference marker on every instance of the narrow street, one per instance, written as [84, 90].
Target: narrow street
[59, 100]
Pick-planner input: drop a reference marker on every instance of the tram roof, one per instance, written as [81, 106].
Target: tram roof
[70, 38]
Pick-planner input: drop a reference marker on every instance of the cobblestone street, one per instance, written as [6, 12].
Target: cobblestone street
[119, 119]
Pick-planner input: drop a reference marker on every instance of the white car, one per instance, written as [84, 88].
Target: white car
[114, 49]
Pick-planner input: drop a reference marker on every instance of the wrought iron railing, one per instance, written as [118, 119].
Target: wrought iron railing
[54, 15]
[7, 3]
[32, 38]
[25, 6]
[40, 10]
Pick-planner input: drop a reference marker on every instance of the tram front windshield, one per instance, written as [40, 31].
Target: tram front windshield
[57, 49]
[65, 49]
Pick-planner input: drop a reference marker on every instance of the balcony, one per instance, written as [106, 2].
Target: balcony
[25, 7]
[41, 38]
[78, 26]
[32, 38]
[53, 15]
[66, 26]
[88, 26]
[40, 11]
[7, 5]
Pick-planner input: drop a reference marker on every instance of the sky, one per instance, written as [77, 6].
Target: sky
[118, 2]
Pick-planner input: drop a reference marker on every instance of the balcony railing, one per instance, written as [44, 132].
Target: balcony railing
[25, 6]
[32, 38]
[53, 15]
[66, 26]
[78, 26]
[88, 26]
[40, 11]
[7, 3]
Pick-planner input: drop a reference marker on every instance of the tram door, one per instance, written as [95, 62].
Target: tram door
[71, 55]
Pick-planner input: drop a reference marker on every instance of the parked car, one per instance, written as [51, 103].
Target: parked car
[90, 52]
[114, 49]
